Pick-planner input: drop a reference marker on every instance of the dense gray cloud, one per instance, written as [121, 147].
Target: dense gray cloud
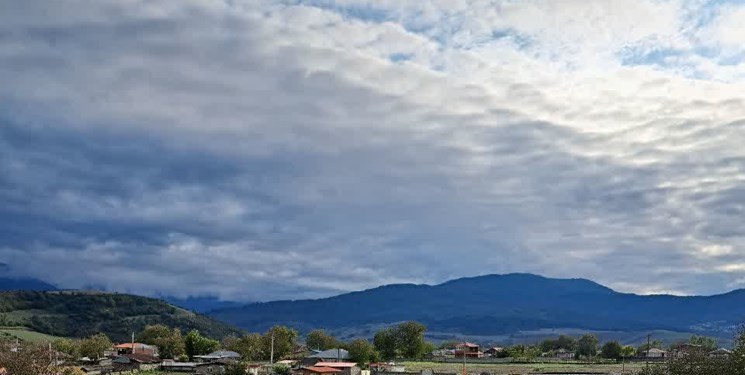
[259, 150]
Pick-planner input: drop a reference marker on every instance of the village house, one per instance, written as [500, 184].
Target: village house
[170, 365]
[136, 348]
[469, 350]
[331, 355]
[315, 370]
[216, 367]
[217, 356]
[347, 368]
[377, 367]
[494, 351]
[681, 350]
[136, 361]
[564, 355]
[655, 353]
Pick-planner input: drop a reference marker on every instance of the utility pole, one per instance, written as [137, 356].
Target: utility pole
[133, 343]
[271, 355]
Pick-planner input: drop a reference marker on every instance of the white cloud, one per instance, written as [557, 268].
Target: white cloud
[279, 151]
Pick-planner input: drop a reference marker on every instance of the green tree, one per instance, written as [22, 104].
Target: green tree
[547, 345]
[628, 351]
[196, 344]
[94, 346]
[611, 350]
[587, 346]
[738, 353]
[643, 348]
[361, 352]
[385, 344]
[707, 343]
[448, 344]
[67, 346]
[410, 339]
[531, 352]
[238, 368]
[284, 341]
[170, 343]
[281, 370]
[516, 351]
[566, 342]
[250, 346]
[320, 340]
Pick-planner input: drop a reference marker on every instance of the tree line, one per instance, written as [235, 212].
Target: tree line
[699, 361]
[402, 340]
[169, 341]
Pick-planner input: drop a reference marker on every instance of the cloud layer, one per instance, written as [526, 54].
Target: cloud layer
[259, 150]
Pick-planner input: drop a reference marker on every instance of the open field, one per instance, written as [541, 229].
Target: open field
[24, 334]
[526, 368]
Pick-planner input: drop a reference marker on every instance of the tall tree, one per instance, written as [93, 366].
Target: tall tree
[70, 347]
[587, 346]
[320, 340]
[170, 343]
[196, 344]
[94, 346]
[284, 341]
[611, 350]
[738, 352]
[410, 339]
[250, 347]
[707, 343]
[385, 343]
[362, 352]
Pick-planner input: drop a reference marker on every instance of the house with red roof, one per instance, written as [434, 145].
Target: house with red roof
[469, 350]
[347, 368]
[318, 370]
[136, 348]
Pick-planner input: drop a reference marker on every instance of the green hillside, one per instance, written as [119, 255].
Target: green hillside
[24, 334]
[80, 314]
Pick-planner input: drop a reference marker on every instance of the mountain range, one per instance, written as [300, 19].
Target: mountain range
[499, 305]
[506, 307]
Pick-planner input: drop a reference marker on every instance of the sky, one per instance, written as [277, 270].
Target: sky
[261, 150]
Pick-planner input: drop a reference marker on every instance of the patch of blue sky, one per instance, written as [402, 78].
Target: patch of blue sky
[732, 59]
[644, 56]
[362, 12]
[400, 57]
[509, 36]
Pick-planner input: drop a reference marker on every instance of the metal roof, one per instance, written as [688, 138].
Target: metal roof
[331, 354]
[224, 354]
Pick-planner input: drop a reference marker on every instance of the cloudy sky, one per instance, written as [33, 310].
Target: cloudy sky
[258, 150]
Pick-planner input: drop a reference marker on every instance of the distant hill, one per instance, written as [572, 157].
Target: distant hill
[201, 304]
[7, 284]
[500, 305]
[79, 314]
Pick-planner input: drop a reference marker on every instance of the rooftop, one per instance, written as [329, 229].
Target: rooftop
[336, 364]
[332, 354]
[321, 370]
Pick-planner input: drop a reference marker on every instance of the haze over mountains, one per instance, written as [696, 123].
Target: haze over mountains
[500, 305]
[490, 306]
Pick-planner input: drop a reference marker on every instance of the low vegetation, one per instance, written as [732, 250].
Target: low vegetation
[81, 314]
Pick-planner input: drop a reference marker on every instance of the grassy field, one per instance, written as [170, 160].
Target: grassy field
[24, 334]
[526, 368]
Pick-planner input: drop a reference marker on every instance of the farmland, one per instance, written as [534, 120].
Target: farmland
[24, 334]
[525, 368]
